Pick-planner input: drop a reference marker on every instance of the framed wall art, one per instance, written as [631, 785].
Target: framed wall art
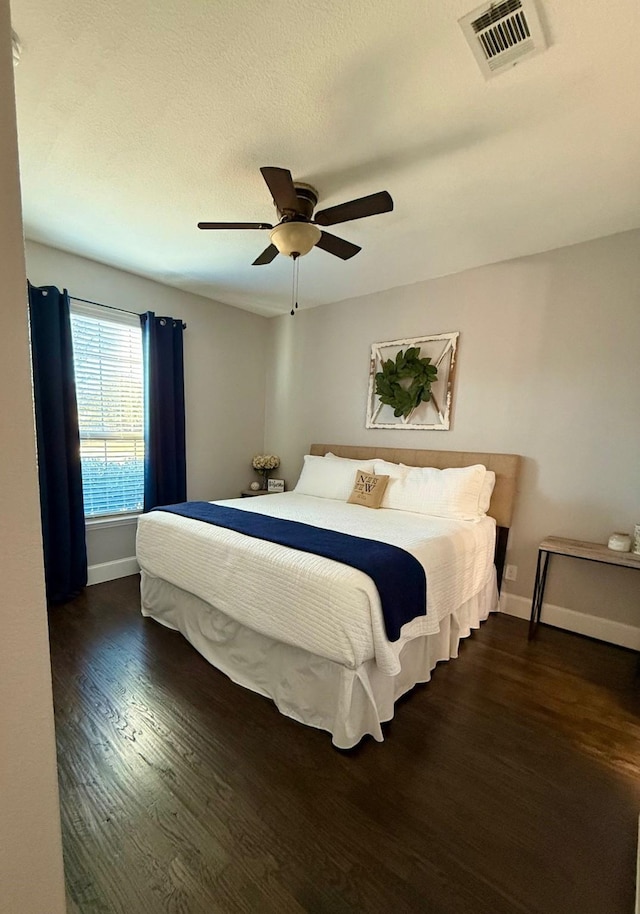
[411, 382]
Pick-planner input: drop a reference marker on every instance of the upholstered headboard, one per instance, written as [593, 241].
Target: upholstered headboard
[505, 466]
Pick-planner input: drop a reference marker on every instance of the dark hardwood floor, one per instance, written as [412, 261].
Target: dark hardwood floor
[510, 783]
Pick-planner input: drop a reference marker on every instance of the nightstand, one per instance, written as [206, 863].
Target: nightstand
[576, 549]
[251, 493]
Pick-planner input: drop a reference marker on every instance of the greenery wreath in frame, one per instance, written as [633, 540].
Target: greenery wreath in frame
[407, 366]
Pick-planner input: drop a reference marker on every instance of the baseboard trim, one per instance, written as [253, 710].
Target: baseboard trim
[569, 619]
[109, 571]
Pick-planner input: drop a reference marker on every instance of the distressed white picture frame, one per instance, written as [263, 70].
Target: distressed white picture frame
[436, 413]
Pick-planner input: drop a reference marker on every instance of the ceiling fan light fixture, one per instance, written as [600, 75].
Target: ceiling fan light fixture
[295, 237]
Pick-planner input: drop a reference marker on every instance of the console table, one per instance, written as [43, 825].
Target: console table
[576, 549]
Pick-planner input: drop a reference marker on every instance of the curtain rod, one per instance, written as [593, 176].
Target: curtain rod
[88, 301]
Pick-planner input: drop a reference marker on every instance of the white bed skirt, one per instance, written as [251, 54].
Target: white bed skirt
[349, 703]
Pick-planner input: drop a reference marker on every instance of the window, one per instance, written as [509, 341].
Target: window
[107, 354]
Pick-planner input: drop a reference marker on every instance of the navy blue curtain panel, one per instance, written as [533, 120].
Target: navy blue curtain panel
[59, 467]
[165, 468]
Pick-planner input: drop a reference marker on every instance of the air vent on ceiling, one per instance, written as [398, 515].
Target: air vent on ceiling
[502, 34]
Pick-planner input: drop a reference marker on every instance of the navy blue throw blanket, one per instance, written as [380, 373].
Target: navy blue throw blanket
[398, 576]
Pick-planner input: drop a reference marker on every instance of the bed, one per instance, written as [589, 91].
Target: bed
[309, 632]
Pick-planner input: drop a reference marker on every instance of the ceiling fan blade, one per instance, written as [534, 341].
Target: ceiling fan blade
[337, 246]
[356, 209]
[280, 183]
[267, 256]
[234, 225]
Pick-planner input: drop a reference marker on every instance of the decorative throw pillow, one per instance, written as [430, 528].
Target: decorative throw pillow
[368, 490]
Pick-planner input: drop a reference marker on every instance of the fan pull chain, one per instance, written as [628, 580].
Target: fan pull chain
[294, 289]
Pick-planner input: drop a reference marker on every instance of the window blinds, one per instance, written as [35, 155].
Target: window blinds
[108, 368]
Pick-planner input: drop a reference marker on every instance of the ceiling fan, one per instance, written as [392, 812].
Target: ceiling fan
[297, 232]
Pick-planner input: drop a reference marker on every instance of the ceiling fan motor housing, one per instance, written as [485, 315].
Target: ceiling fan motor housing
[307, 198]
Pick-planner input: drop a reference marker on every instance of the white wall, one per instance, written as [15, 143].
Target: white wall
[548, 367]
[31, 878]
[224, 350]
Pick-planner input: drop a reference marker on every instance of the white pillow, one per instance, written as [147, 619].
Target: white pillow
[330, 478]
[486, 491]
[356, 463]
[392, 469]
[454, 492]
[396, 473]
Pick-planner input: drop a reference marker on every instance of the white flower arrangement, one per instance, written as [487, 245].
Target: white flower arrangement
[263, 462]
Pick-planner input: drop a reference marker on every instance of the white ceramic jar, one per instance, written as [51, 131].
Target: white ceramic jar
[620, 542]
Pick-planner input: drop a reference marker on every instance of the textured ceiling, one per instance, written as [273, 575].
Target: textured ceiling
[137, 120]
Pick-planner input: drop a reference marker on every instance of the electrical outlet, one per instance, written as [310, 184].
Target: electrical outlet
[511, 573]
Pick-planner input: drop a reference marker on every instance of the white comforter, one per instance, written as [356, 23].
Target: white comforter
[322, 606]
